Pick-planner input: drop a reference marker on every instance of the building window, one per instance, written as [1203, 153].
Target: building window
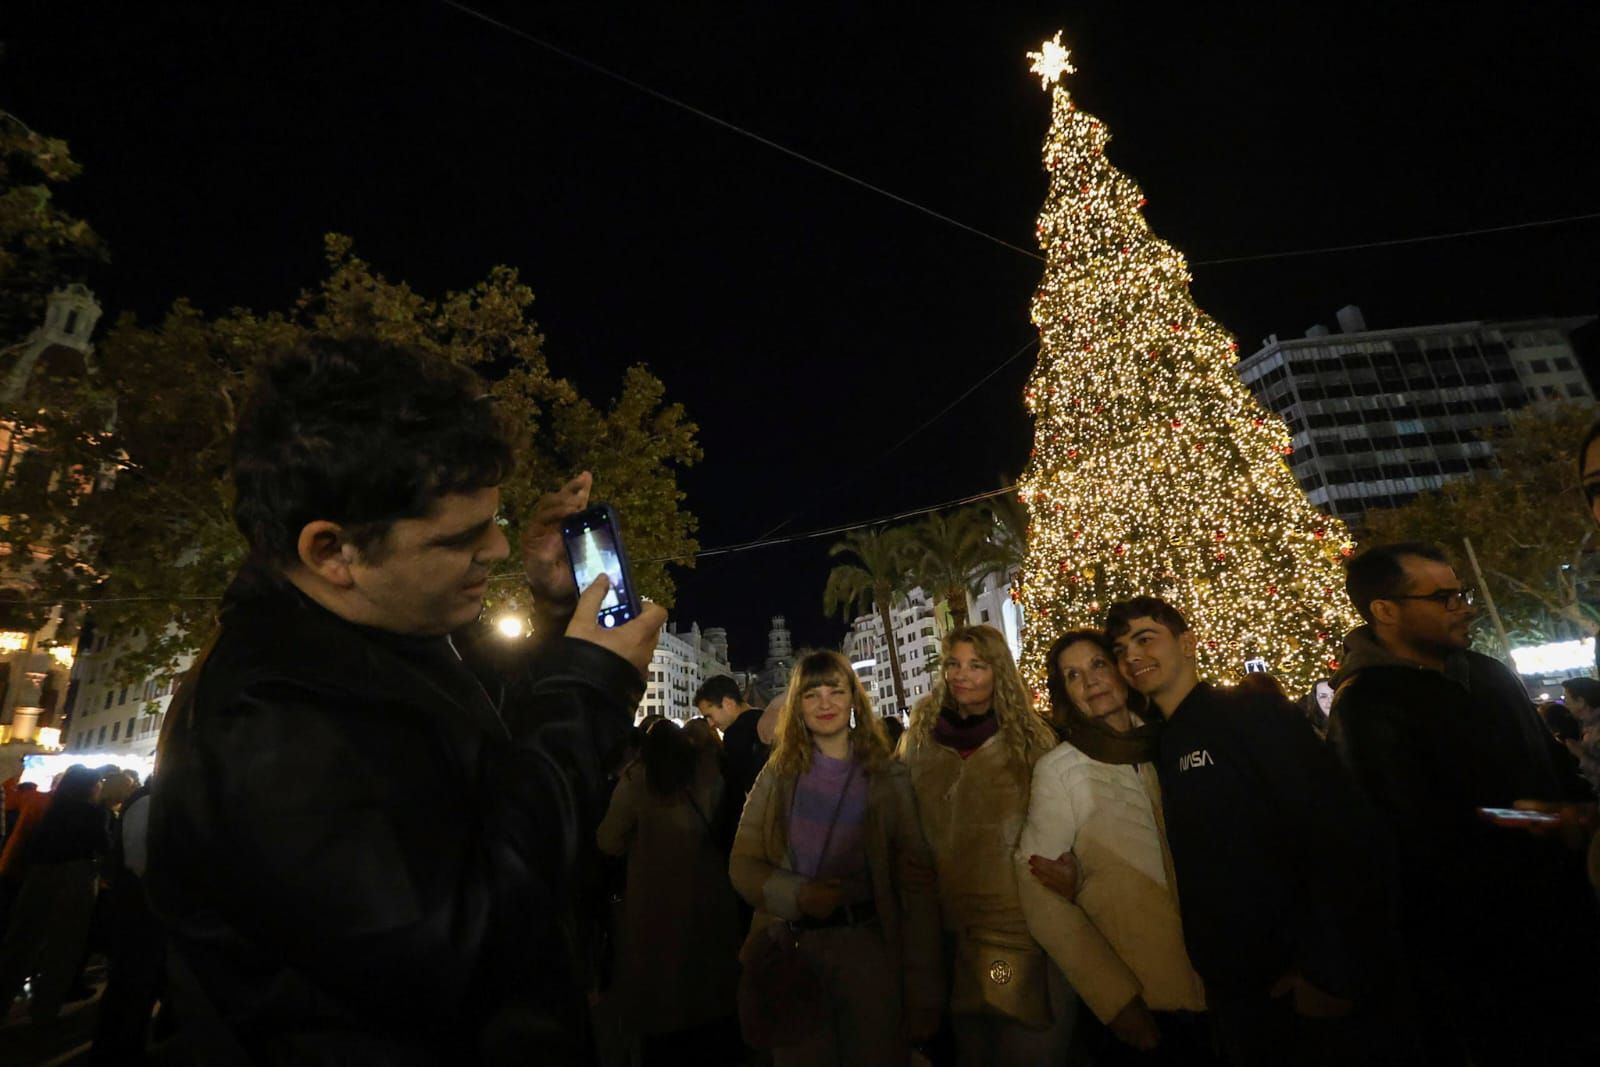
[102, 736]
[985, 615]
[116, 728]
[1539, 366]
[130, 724]
[1563, 363]
[122, 697]
[108, 698]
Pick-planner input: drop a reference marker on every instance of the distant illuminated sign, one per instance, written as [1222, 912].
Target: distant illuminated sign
[1554, 657]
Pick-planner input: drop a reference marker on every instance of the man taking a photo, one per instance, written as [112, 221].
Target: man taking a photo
[360, 857]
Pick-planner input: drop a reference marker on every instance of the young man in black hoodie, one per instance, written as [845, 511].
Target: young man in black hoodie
[1275, 884]
[1497, 925]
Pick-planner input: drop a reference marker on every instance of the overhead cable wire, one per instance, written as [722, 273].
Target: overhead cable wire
[776, 146]
[725, 550]
[1399, 240]
[941, 413]
[733, 127]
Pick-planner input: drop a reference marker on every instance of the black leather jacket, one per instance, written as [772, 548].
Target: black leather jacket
[361, 859]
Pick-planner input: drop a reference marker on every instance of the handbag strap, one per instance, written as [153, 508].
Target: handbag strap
[833, 820]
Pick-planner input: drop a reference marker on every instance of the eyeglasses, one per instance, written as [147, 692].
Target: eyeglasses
[1449, 599]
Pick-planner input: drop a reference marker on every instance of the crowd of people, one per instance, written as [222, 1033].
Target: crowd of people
[70, 891]
[1156, 869]
[370, 843]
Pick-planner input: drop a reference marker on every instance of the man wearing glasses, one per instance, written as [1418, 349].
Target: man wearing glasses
[1497, 925]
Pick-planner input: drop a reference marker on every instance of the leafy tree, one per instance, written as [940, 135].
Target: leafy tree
[1529, 527]
[153, 545]
[878, 575]
[950, 552]
[41, 245]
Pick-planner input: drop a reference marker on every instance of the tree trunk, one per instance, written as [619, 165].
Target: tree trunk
[884, 598]
[956, 600]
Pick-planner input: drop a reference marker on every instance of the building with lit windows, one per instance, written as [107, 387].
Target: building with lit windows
[917, 633]
[1378, 416]
[108, 713]
[682, 660]
[35, 658]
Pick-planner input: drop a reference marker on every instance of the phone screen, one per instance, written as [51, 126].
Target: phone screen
[1518, 815]
[593, 546]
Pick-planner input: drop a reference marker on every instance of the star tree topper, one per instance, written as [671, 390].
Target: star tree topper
[1051, 62]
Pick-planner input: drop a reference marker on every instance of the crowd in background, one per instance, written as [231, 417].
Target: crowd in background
[1142, 867]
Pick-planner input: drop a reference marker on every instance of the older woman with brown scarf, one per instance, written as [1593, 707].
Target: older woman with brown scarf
[1096, 795]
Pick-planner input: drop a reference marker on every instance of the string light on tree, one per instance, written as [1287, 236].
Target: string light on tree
[1154, 470]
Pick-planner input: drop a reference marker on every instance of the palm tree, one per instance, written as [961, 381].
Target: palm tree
[950, 555]
[1011, 537]
[878, 575]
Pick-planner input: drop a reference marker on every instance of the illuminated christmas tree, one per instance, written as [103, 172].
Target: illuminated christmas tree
[1154, 470]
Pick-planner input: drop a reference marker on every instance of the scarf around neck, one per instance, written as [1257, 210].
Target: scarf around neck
[1101, 743]
[964, 735]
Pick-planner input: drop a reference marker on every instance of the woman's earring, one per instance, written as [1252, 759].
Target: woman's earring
[852, 718]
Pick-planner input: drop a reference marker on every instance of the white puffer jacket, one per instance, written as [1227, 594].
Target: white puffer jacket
[1122, 938]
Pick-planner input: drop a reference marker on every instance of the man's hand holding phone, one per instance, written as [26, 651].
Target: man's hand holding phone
[544, 555]
[634, 640]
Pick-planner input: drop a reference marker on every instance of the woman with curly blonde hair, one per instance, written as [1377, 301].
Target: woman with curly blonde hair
[831, 856]
[971, 747]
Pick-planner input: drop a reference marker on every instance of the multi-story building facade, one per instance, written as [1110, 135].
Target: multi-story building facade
[917, 631]
[35, 660]
[916, 640]
[108, 714]
[774, 677]
[994, 606]
[1378, 416]
[682, 660]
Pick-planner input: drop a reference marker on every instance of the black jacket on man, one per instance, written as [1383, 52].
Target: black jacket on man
[743, 754]
[1498, 925]
[361, 860]
[1267, 847]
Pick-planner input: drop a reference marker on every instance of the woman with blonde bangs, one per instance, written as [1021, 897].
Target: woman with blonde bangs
[971, 748]
[830, 854]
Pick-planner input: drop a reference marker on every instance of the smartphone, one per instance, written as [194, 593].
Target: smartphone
[594, 545]
[1517, 815]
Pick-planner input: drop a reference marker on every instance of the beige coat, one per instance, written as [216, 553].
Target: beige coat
[897, 863]
[972, 812]
[1122, 938]
[678, 958]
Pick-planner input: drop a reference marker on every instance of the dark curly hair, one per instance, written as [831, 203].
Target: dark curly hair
[361, 432]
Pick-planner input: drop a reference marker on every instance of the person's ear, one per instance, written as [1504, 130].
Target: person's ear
[1188, 644]
[325, 553]
[1385, 611]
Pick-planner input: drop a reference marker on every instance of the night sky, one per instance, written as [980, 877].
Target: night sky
[806, 323]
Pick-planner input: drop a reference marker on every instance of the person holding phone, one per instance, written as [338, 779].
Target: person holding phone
[1097, 795]
[359, 855]
[1496, 925]
[831, 856]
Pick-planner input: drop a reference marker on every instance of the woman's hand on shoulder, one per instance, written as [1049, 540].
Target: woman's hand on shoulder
[1059, 875]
